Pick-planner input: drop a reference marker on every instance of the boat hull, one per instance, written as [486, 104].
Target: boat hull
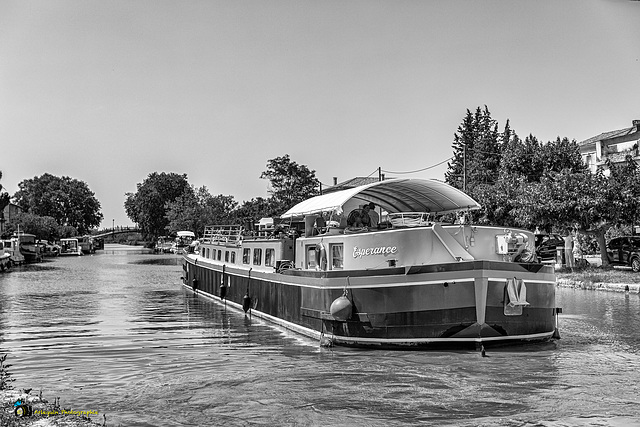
[451, 305]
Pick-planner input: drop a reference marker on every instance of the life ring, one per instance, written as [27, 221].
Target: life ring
[321, 257]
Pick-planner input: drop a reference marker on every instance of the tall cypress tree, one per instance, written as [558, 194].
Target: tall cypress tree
[476, 151]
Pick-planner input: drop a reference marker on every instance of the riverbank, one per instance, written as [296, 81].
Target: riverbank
[601, 279]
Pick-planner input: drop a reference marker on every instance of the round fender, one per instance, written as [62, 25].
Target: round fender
[246, 302]
[341, 308]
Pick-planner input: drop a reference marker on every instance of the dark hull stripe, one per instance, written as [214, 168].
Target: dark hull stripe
[414, 315]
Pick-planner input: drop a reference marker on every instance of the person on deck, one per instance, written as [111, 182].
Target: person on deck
[373, 215]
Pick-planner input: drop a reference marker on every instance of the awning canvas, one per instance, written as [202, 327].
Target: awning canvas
[394, 195]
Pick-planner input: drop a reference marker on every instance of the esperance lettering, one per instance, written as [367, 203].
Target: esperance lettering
[380, 250]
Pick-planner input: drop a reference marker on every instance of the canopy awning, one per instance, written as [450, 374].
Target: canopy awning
[394, 195]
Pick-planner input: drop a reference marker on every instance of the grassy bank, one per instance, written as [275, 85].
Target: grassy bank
[614, 279]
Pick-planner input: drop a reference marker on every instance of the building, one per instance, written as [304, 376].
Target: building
[10, 211]
[614, 145]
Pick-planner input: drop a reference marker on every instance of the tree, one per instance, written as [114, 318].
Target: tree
[251, 211]
[476, 151]
[196, 209]
[290, 182]
[4, 202]
[148, 205]
[69, 201]
[43, 227]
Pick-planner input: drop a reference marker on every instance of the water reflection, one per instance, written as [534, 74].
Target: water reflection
[108, 330]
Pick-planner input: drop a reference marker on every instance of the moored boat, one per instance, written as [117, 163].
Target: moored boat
[11, 247]
[70, 246]
[86, 244]
[22, 248]
[413, 280]
[5, 260]
[183, 240]
[28, 247]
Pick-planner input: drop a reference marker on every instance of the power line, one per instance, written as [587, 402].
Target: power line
[418, 170]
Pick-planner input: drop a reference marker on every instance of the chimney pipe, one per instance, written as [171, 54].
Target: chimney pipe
[335, 180]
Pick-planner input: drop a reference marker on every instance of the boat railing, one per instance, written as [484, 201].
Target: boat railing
[410, 219]
[222, 234]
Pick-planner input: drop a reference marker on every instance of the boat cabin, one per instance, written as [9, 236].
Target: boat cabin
[421, 222]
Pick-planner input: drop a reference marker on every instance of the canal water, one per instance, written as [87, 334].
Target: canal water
[117, 333]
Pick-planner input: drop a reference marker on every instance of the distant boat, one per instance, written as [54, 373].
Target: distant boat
[184, 239]
[28, 247]
[415, 280]
[86, 244]
[163, 245]
[5, 260]
[70, 246]
[22, 248]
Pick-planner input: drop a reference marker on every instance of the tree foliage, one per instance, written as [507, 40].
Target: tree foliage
[148, 205]
[69, 201]
[290, 182]
[476, 151]
[198, 208]
[540, 185]
[4, 198]
[44, 227]
[252, 210]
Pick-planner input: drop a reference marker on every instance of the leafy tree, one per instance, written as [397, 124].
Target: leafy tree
[196, 209]
[290, 182]
[67, 231]
[44, 227]
[252, 210]
[148, 205]
[69, 201]
[4, 196]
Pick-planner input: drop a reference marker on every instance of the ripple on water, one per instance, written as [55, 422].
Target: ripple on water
[109, 332]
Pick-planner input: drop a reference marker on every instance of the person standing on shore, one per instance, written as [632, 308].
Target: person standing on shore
[568, 249]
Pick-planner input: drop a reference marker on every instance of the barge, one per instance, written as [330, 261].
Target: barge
[422, 277]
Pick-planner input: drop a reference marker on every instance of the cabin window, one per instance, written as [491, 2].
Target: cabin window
[226, 256]
[257, 256]
[270, 257]
[233, 257]
[246, 255]
[337, 257]
[219, 255]
[311, 256]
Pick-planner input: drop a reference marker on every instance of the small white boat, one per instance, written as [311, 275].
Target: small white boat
[70, 246]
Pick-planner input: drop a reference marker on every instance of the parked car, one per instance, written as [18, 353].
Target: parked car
[625, 251]
[546, 246]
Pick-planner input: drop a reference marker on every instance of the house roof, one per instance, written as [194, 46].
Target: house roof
[393, 195]
[609, 135]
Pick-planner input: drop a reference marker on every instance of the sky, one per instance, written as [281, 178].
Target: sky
[110, 91]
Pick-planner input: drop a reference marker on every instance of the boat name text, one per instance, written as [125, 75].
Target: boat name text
[380, 250]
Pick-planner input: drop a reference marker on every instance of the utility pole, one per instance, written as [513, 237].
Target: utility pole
[464, 167]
